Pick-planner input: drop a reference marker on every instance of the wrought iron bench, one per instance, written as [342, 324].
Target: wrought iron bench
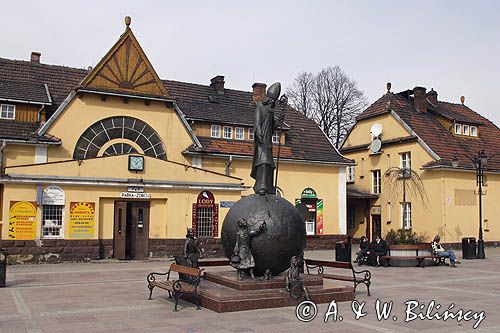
[358, 277]
[189, 279]
[420, 257]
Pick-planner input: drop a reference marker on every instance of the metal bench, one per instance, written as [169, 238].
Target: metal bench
[358, 277]
[189, 279]
[420, 257]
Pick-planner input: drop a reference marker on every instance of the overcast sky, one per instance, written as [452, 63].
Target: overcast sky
[451, 46]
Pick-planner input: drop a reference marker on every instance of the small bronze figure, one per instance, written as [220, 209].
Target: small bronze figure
[293, 284]
[192, 250]
[265, 124]
[242, 258]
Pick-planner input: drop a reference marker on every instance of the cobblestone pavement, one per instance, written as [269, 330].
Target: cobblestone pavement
[111, 296]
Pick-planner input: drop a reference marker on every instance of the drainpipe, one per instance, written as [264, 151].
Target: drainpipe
[2, 148]
[228, 165]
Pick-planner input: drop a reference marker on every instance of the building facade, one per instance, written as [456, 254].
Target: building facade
[112, 161]
[414, 170]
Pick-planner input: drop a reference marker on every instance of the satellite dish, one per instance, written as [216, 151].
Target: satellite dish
[376, 129]
[375, 146]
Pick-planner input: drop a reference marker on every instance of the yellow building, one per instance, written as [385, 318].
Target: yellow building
[114, 162]
[411, 144]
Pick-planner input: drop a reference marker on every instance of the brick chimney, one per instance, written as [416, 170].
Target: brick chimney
[259, 91]
[419, 99]
[432, 96]
[35, 56]
[218, 84]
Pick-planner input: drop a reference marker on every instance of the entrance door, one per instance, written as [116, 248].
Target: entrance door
[131, 230]
[376, 226]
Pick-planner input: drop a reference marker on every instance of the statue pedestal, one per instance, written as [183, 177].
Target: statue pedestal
[222, 292]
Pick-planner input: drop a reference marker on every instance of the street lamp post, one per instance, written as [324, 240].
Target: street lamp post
[479, 162]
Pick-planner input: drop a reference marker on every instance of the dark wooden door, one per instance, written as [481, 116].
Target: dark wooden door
[376, 226]
[120, 235]
[139, 216]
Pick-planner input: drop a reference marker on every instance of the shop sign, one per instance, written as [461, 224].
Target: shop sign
[81, 220]
[319, 217]
[227, 204]
[22, 220]
[53, 195]
[205, 199]
[133, 195]
[135, 189]
[309, 193]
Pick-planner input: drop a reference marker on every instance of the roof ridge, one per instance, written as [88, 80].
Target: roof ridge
[42, 64]
[205, 85]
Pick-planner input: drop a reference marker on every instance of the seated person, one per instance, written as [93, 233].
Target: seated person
[438, 250]
[363, 249]
[377, 249]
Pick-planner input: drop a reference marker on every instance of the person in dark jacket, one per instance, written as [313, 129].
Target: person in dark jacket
[378, 248]
[362, 251]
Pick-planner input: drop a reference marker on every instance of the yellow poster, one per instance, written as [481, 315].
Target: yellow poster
[81, 220]
[22, 220]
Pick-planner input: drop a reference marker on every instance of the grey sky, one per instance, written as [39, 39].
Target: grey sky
[451, 46]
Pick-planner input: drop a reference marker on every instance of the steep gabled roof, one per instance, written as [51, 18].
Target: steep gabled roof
[16, 91]
[435, 136]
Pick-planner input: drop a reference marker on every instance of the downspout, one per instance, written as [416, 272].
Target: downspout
[2, 148]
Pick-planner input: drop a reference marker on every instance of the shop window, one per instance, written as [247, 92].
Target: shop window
[8, 111]
[205, 215]
[228, 132]
[351, 175]
[312, 210]
[215, 131]
[239, 133]
[250, 134]
[52, 221]
[376, 182]
[406, 215]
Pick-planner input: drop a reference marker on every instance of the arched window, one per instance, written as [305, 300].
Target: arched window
[118, 136]
[205, 215]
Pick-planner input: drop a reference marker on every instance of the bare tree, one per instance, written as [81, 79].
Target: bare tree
[330, 98]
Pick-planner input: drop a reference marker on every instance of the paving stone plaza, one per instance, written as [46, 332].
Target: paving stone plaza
[111, 296]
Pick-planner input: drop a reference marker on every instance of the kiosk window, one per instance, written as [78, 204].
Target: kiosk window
[52, 221]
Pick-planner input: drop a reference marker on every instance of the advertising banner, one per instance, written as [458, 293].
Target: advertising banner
[81, 220]
[22, 220]
[319, 217]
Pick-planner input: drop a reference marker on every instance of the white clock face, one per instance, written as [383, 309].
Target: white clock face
[136, 163]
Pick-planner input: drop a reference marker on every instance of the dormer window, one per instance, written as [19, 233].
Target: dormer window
[276, 137]
[473, 131]
[8, 111]
[239, 133]
[458, 129]
[465, 129]
[215, 132]
[250, 134]
[227, 132]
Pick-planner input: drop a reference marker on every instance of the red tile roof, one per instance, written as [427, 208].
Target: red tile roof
[441, 140]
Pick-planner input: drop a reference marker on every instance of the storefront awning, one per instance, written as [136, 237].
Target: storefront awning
[355, 194]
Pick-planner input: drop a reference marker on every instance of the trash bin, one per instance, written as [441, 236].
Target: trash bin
[3, 266]
[469, 248]
[343, 251]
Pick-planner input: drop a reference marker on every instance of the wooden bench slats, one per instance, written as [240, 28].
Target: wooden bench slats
[185, 270]
[341, 277]
[325, 263]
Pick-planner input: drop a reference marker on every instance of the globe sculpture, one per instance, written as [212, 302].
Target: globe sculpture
[284, 238]
[263, 231]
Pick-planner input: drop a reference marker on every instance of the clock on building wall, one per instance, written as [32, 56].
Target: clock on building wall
[136, 163]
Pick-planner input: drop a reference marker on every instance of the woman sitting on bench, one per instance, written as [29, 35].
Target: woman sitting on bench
[440, 251]
[362, 255]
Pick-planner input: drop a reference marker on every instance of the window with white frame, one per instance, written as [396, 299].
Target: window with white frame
[351, 173]
[215, 132]
[276, 137]
[8, 111]
[376, 182]
[52, 221]
[205, 221]
[473, 131]
[405, 160]
[465, 129]
[406, 215]
[250, 134]
[458, 129]
[239, 133]
[227, 132]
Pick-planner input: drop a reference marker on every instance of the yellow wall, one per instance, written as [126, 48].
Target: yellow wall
[16, 154]
[87, 109]
[439, 214]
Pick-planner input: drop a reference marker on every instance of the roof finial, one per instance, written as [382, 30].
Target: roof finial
[127, 21]
[388, 87]
[462, 99]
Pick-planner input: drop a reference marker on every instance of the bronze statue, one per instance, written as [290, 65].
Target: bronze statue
[293, 284]
[242, 258]
[192, 250]
[265, 124]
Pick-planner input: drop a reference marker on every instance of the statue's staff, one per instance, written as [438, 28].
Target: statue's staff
[283, 101]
